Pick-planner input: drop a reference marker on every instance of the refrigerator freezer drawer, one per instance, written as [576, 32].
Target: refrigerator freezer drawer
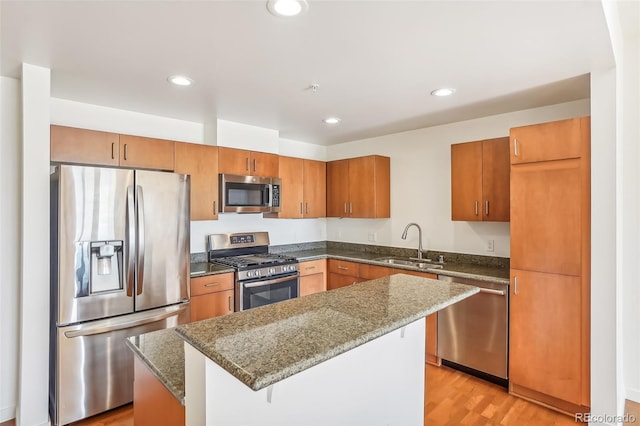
[94, 367]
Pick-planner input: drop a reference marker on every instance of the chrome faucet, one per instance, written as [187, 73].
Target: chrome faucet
[404, 237]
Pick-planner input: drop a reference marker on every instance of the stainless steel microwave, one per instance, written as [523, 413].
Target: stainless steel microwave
[249, 194]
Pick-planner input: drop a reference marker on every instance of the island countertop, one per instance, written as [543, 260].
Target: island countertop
[264, 345]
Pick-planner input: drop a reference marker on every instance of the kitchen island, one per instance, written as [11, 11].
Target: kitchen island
[354, 355]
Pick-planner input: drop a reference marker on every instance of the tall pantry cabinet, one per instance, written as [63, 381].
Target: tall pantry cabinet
[550, 264]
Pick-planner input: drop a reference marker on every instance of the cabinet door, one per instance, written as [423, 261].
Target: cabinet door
[315, 188]
[211, 305]
[546, 217]
[340, 280]
[549, 141]
[545, 334]
[466, 181]
[264, 164]
[153, 404]
[310, 284]
[71, 145]
[338, 188]
[362, 187]
[201, 162]
[146, 153]
[234, 161]
[291, 198]
[495, 180]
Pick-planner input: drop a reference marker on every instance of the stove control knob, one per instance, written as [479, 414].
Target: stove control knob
[272, 270]
[258, 273]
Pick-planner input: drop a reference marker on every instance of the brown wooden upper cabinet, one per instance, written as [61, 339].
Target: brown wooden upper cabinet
[359, 187]
[82, 146]
[201, 162]
[557, 140]
[250, 163]
[304, 188]
[480, 180]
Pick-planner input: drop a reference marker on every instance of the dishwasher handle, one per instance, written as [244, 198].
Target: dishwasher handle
[491, 291]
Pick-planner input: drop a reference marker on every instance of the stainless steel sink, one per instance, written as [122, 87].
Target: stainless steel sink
[416, 263]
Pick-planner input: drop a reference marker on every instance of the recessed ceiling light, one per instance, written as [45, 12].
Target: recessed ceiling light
[286, 7]
[180, 80]
[331, 120]
[445, 91]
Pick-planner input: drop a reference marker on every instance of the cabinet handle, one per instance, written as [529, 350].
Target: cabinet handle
[307, 204]
[113, 147]
[310, 267]
[476, 207]
[211, 284]
[344, 268]
[515, 285]
[350, 208]
[486, 207]
[230, 307]
[515, 147]
[215, 210]
[345, 207]
[125, 152]
[301, 208]
[247, 165]
[255, 164]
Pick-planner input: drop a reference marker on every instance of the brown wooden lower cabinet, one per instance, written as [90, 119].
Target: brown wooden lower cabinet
[211, 296]
[153, 404]
[338, 280]
[313, 276]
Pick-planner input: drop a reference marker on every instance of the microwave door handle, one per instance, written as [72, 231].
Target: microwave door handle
[267, 195]
[131, 240]
[140, 240]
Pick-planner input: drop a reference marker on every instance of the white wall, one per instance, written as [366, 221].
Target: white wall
[421, 183]
[33, 373]
[623, 19]
[10, 222]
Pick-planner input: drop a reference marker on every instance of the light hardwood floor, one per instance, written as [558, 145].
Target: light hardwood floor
[453, 398]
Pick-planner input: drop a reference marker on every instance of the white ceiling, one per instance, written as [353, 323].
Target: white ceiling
[376, 61]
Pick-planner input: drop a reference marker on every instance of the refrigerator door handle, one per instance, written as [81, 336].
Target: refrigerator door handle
[140, 220]
[122, 323]
[131, 237]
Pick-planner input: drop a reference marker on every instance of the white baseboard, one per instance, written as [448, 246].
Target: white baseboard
[7, 413]
[633, 395]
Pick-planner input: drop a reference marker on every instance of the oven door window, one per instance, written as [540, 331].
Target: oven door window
[247, 194]
[260, 293]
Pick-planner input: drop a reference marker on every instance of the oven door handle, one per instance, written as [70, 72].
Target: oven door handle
[269, 282]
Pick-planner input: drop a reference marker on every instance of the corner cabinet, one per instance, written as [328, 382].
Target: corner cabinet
[242, 162]
[480, 180]
[549, 343]
[82, 146]
[212, 296]
[201, 163]
[304, 188]
[359, 187]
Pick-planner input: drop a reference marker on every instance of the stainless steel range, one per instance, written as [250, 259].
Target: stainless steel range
[261, 278]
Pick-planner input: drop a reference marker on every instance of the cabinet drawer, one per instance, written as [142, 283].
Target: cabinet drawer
[344, 267]
[417, 274]
[313, 267]
[211, 284]
[371, 272]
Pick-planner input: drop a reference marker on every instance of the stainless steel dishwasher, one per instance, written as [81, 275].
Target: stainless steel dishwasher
[473, 334]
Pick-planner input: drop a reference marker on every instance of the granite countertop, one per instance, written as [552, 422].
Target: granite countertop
[199, 269]
[455, 269]
[163, 353]
[264, 345]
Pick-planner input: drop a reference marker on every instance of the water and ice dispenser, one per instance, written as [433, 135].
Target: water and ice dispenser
[99, 267]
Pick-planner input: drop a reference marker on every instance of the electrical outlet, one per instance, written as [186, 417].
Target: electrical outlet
[372, 236]
[490, 245]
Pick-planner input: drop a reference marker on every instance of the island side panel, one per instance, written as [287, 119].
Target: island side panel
[194, 385]
[380, 382]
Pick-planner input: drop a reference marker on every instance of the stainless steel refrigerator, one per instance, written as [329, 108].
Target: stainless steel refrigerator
[119, 268]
